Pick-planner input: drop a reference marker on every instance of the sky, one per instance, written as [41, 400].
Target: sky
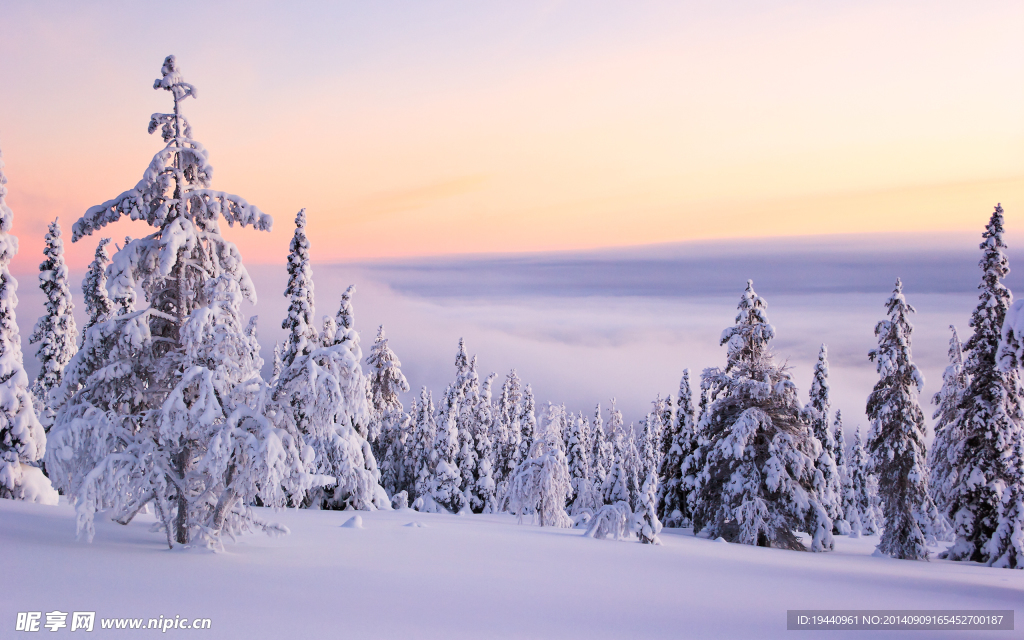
[443, 127]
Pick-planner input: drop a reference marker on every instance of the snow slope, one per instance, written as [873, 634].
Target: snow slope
[465, 577]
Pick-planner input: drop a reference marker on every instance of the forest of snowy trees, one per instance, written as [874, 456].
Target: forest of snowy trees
[159, 406]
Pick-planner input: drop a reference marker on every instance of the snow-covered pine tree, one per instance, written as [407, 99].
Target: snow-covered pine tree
[600, 449]
[645, 516]
[948, 437]
[328, 391]
[989, 417]
[168, 404]
[481, 494]
[423, 455]
[845, 491]
[22, 438]
[527, 421]
[468, 381]
[647, 443]
[757, 481]
[896, 440]
[541, 483]
[633, 466]
[505, 434]
[860, 498]
[830, 491]
[55, 331]
[1005, 549]
[299, 323]
[447, 480]
[386, 383]
[673, 486]
[584, 498]
[840, 439]
[98, 304]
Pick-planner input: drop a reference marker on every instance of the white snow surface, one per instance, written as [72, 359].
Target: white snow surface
[475, 576]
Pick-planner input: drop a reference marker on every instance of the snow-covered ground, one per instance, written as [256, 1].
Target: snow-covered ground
[470, 576]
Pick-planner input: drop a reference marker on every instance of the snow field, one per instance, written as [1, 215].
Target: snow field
[469, 576]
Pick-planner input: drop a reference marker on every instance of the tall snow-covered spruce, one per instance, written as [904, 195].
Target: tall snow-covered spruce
[55, 331]
[299, 323]
[98, 304]
[818, 409]
[166, 404]
[757, 484]
[22, 439]
[386, 383]
[673, 484]
[896, 440]
[989, 419]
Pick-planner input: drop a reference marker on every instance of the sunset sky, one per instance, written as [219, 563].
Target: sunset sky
[423, 128]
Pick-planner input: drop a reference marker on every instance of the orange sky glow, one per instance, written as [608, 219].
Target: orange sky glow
[428, 128]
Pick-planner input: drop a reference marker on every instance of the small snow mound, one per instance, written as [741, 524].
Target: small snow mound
[355, 522]
[720, 539]
[877, 553]
[419, 525]
[35, 487]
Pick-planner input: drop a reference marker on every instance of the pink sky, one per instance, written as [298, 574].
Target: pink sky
[452, 127]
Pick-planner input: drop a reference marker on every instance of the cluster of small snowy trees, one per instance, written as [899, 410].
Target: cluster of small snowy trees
[164, 407]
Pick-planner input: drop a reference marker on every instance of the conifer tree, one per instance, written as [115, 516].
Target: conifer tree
[578, 457]
[481, 493]
[818, 409]
[55, 331]
[896, 440]
[756, 482]
[527, 421]
[948, 437]
[386, 383]
[168, 405]
[22, 438]
[989, 417]
[600, 454]
[423, 459]
[98, 304]
[506, 432]
[615, 488]
[861, 499]
[541, 484]
[673, 486]
[447, 480]
[299, 323]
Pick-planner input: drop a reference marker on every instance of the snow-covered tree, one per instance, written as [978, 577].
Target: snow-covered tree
[541, 484]
[860, 499]
[647, 443]
[423, 456]
[22, 438]
[818, 409]
[527, 420]
[673, 487]
[55, 331]
[326, 393]
[948, 437]
[506, 432]
[481, 492]
[586, 497]
[616, 482]
[647, 524]
[386, 383]
[757, 483]
[989, 418]
[98, 304]
[445, 487]
[601, 449]
[299, 323]
[896, 440]
[166, 404]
